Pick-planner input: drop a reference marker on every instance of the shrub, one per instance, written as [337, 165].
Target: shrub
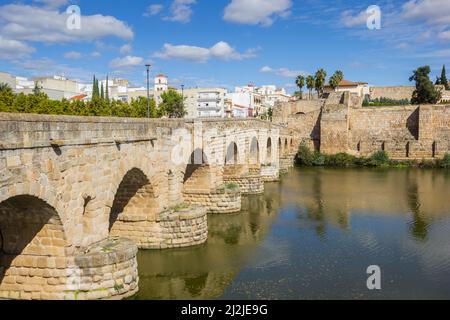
[445, 162]
[379, 158]
[304, 156]
[340, 160]
[318, 159]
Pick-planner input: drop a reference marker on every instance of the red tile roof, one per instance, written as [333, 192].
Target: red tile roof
[79, 97]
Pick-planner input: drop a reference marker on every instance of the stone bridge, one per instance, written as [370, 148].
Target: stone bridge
[80, 195]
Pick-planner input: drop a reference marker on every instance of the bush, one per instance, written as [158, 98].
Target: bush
[304, 156]
[340, 160]
[318, 159]
[379, 158]
[445, 162]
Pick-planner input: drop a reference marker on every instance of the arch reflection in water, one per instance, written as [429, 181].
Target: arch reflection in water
[204, 272]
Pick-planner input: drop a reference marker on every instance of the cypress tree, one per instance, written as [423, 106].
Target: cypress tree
[107, 89]
[444, 80]
[102, 92]
[94, 93]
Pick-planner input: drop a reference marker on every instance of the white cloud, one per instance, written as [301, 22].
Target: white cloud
[436, 12]
[183, 52]
[13, 49]
[445, 35]
[220, 50]
[53, 3]
[282, 72]
[349, 20]
[153, 10]
[181, 11]
[254, 12]
[126, 62]
[126, 49]
[73, 55]
[29, 23]
[224, 51]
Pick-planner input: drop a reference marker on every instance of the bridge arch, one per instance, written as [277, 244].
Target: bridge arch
[198, 174]
[135, 197]
[31, 233]
[254, 155]
[232, 154]
[269, 150]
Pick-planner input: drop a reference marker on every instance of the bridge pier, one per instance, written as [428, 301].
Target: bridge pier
[249, 181]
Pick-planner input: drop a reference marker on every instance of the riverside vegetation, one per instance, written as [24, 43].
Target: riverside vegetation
[307, 158]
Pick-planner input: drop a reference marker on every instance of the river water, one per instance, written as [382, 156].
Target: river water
[313, 236]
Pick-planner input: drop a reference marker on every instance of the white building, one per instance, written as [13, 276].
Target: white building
[271, 95]
[204, 102]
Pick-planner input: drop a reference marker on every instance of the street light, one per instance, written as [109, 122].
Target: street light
[182, 91]
[148, 89]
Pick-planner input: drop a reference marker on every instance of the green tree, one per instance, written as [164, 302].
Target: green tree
[102, 92]
[4, 87]
[107, 89]
[172, 104]
[310, 84]
[336, 79]
[300, 82]
[443, 79]
[426, 92]
[320, 77]
[139, 108]
[37, 88]
[270, 114]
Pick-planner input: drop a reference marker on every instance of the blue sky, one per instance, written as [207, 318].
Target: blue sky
[225, 42]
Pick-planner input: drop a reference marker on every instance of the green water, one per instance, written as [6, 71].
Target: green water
[313, 235]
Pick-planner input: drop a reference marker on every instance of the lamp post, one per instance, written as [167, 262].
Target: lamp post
[182, 91]
[148, 89]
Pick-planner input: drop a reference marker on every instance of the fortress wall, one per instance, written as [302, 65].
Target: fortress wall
[396, 93]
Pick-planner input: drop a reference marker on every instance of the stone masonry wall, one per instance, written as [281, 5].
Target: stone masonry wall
[395, 93]
[171, 229]
[218, 201]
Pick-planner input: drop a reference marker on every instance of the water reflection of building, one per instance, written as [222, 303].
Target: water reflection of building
[330, 196]
[204, 272]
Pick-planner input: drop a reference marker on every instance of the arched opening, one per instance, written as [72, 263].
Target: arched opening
[286, 146]
[433, 149]
[198, 175]
[407, 149]
[269, 150]
[280, 148]
[383, 146]
[254, 152]
[232, 154]
[292, 145]
[134, 197]
[30, 232]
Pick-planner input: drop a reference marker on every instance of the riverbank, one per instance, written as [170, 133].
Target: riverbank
[307, 158]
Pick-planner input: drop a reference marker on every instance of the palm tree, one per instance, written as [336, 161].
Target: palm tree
[340, 76]
[300, 82]
[320, 81]
[4, 87]
[336, 79]
[310, 84]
